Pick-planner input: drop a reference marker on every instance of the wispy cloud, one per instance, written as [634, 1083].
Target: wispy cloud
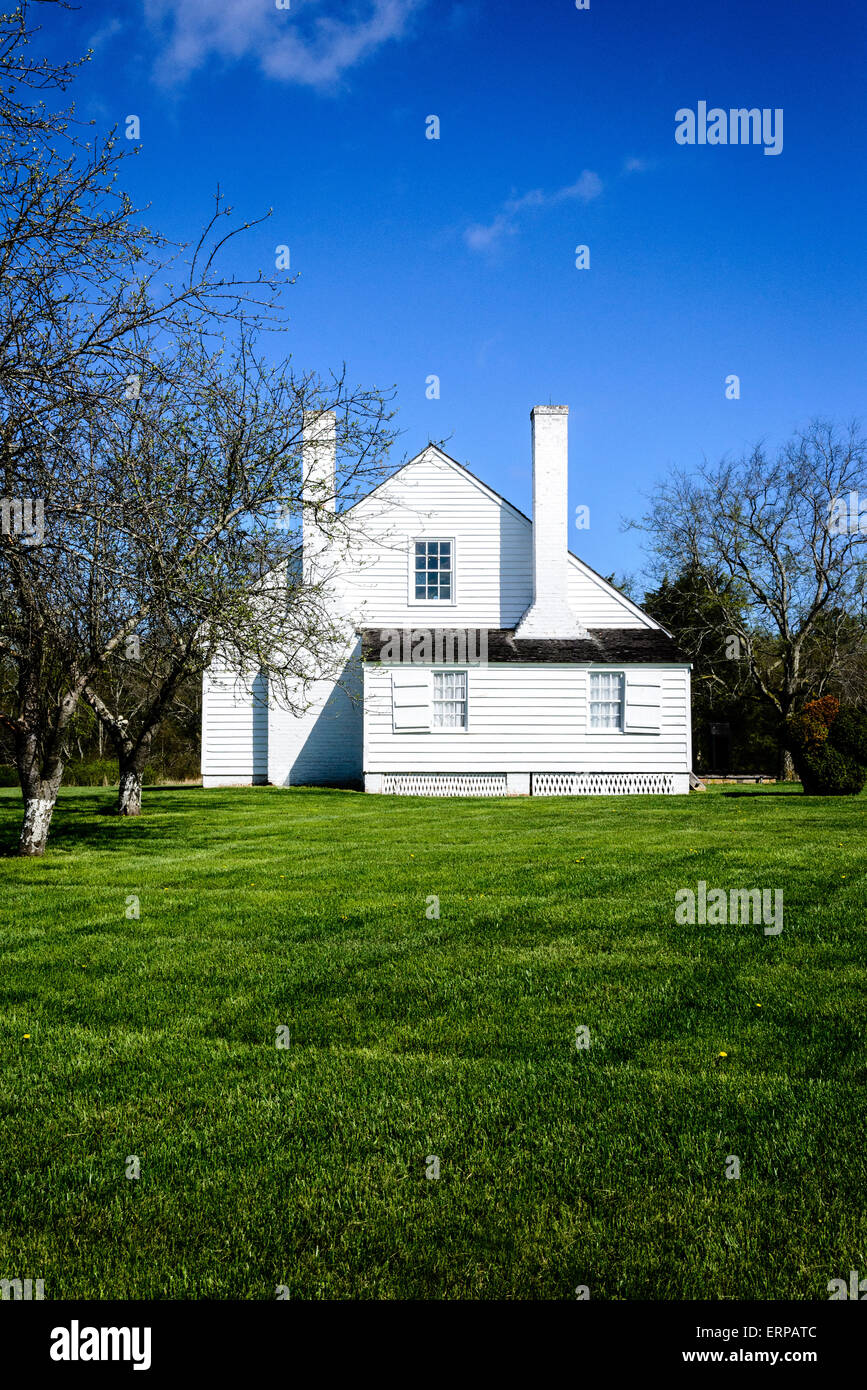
[484, 236]
[636, 166]
[300, 44]
[104, 34]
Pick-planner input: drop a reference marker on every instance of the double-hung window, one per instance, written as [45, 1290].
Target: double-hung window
[606, 699]
[449, 699]
[433, 577]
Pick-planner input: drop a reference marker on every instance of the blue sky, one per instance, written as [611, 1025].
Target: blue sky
[456, 257]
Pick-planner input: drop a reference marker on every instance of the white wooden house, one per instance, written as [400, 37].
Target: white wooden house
[482, 657]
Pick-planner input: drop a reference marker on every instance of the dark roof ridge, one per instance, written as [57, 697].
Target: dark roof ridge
[603, 646]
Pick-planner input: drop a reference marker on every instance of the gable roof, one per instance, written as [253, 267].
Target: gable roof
[502, 501]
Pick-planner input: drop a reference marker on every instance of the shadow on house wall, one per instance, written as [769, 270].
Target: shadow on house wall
[332, 754]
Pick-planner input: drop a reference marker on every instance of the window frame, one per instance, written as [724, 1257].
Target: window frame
[414, 602]
[450, 671]
[606, 671]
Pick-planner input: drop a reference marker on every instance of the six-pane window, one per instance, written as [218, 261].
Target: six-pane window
[433, 570]
[606, 699]
[450, 700]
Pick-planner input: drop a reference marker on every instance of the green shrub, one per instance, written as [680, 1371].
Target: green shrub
[850, 734]
[178, 765]
[103, 772]
[829, 748]
[100, 772]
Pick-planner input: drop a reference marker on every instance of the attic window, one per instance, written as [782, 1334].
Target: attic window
[434, 571]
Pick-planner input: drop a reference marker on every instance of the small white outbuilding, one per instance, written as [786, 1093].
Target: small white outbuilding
[482, 658]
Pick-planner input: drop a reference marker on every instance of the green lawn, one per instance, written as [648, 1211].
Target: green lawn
[411, 1036]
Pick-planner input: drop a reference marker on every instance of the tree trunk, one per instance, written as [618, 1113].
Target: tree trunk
[38, 810]
[785, 767]
[39, 777]
[129, 792]
[132, 759]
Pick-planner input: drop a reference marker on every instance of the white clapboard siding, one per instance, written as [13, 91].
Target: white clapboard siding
[597, 604]
[322, 746]
[234, 727]
[528, 719]
[493, 548]
[525, 713]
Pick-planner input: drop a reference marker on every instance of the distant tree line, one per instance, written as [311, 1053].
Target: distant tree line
[762, 578]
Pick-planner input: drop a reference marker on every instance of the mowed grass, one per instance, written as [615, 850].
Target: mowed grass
[411, 1036]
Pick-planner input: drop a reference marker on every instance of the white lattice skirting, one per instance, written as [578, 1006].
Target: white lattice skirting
[602, 783]
[539, 784]
[443, 784]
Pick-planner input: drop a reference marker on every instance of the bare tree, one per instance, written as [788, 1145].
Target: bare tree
[134, 710]
[208, 477]
[171, 533]
[86, 293]
[792, 600]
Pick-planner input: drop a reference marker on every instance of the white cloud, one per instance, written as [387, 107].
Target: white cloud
[104, 34]
[300, 44]
[481, 237]
[484, 236]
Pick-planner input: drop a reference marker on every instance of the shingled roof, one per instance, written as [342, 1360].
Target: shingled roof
[611, 646]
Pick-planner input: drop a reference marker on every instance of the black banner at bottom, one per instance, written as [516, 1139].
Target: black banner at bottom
[167, 1341]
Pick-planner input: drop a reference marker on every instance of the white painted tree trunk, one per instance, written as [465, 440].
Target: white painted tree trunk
[129, 794]
[38, 811]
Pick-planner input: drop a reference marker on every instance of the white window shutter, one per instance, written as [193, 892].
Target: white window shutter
[643, 708]
[411, 697]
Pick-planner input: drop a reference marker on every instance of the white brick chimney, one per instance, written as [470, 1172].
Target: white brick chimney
[549, 615]
[319, 485]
